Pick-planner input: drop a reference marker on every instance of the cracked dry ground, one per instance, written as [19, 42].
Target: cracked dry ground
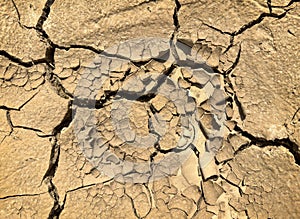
[253, 47]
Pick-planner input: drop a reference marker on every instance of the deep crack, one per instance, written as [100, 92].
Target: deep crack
[269, 3]
[176, 19]
[293, 148]
[43, 18]
[53, 164]
[20, 62]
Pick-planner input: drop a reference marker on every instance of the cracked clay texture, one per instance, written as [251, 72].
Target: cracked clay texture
[150, 109]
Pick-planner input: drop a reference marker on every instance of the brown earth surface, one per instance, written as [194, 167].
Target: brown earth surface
[239, 126]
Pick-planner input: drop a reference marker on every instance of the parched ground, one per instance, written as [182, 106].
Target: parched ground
[54, 164]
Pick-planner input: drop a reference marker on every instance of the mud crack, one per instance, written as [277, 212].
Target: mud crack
[53, 164]
[262, 142]
[20, 62]
[176, 19]
[43, 18]
[21, 195]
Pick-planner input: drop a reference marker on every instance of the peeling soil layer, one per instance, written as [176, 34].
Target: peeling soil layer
[91, 128]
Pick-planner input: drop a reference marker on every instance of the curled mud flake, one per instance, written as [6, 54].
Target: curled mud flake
[65, 73]
[209, 123]
[190, 172]
[9, 72]
[183, 83]
[179, 202]
[159, 101]
[208, 167]
[214, 58]
[225, 153]
[238, 141]
[35, 75]
[20, 78]
[36, 83]
[168, 141]
[201, 77]
[198, 94]
[212, 191]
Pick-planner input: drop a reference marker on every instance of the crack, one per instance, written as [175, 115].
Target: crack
[89, 48]
[80, 187]
[89, 185]
[235, 63]
[247, 214]
[104, 99]
[203, 196]
[231, 40]
[53, 164]
[66, 121]
[3, 107]
[151, 199]
[217, 29]
[233, 97]
[240, 107]
[200, 170]
[293, 148]
[18, 13]
[290, 32]
[175, 17]
[19, 16]
[98, 104]
[231, 183]
[152, 93]
[26, 128]
[78, 46]
[261, 142]
[20, 107]
[252, 23]
[9, 122]
[43, 18]
[12, 126]
[259, 20]
[289, 4]
[21, 195]
[94, 104]
[20, 62]
[133, 208]
[146, 98]
[54, 80]
[294, 116]
[50, 50]
[49, 56]
[49, 59]
[57, 207]
[198, 204]
[176, 27]
[176, 24]
[130, 8]
[269, 3]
